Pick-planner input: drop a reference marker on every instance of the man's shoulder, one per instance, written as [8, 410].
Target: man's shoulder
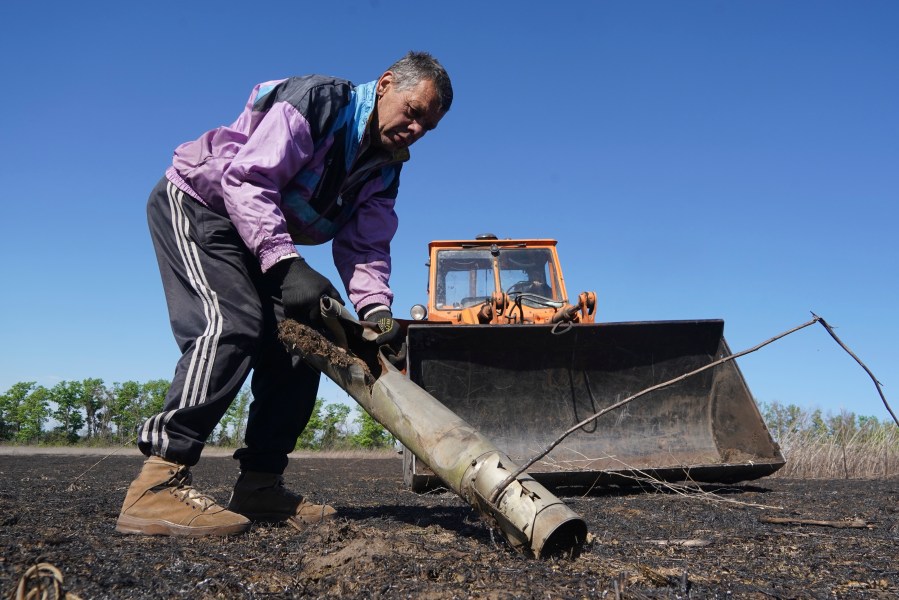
[309, 94]
[305, 83]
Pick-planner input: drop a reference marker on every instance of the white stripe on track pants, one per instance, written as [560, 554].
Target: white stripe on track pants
[224, 315]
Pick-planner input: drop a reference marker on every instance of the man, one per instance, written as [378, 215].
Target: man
[309, 160]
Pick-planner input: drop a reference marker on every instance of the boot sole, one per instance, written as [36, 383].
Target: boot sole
[282, 518]
[133, 525]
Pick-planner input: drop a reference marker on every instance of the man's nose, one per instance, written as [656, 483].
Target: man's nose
[417, 129]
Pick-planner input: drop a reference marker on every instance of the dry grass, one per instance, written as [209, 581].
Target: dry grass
[826, 446]
[860, 455]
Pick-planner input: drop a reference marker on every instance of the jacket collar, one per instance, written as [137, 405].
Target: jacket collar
[364, 104]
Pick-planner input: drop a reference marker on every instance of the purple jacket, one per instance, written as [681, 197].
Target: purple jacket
[296, 167]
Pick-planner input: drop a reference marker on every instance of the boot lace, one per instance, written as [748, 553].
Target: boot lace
[185, 492]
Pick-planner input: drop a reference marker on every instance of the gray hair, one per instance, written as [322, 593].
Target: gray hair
[410, 70]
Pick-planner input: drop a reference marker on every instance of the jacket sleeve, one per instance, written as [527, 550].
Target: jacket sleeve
[362, 251]
[275, 152]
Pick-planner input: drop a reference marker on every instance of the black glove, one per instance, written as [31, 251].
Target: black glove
[389, 328]
[302, 288]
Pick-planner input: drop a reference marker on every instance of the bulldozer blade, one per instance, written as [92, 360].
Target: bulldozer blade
[522, 386]
[528, 515]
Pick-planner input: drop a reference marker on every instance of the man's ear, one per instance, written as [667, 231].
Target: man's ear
[384, 82]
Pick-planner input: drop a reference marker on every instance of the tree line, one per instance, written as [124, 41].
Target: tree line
[786, 421]
[91, 412]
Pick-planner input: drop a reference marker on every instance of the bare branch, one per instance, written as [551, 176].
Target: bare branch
[858, 360]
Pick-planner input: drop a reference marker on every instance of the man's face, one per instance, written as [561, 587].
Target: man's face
[404, 116]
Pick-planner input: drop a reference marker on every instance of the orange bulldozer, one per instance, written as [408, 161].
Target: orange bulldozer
[500, 345]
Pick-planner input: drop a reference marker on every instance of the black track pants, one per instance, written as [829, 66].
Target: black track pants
[224, 316]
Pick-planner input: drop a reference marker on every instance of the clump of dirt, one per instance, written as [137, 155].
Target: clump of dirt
[316, 348]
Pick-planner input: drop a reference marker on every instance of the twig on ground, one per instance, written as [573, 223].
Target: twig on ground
[693, 543]
[691, 490]
[852, 523]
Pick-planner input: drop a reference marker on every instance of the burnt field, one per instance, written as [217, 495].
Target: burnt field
[388, 542]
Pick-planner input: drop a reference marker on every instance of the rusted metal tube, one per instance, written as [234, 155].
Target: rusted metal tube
[529, 516]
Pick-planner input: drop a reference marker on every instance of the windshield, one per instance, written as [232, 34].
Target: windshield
[468, 277]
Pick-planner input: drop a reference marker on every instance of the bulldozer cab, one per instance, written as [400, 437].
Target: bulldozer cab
[465, 276]
[501, 346]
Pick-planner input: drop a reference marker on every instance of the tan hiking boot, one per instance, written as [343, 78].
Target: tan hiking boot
[161, 501]
[263, 497]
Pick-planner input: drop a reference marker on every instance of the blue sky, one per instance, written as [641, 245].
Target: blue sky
[735, 160]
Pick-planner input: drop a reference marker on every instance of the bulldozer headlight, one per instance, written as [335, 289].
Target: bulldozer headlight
[418, 312]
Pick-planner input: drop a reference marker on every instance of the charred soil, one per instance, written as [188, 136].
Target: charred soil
[388, 542]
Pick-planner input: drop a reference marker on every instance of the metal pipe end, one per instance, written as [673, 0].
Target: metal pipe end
[567, 538]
